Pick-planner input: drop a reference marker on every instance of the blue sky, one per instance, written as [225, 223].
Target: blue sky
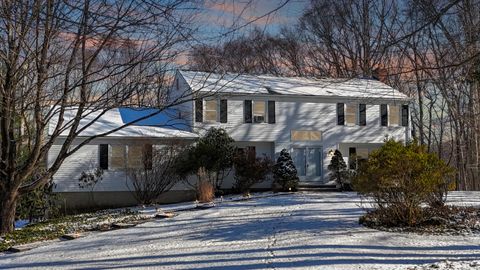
[221, 17]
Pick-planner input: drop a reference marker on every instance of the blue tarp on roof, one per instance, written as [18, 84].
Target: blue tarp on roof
[168, 118]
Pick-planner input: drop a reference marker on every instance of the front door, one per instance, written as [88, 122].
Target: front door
[308, 161]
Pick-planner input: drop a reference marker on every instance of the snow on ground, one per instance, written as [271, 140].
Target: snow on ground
[300, 231]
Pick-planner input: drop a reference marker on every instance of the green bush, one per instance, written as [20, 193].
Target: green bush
[401, 178]
[285, 173]
[213, 152]
[39, 204]
[250, 170]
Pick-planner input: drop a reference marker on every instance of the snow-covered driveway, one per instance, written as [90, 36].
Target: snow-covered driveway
[301, 231]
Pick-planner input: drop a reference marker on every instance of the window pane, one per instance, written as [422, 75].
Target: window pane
[351, 115]
[300, 135]
[315, 135]
[298, 156]
[362, 153]
[211, 116]
[117, 158]
[306, 135]
[135, 156]
[211, 105]
[259, 108]
[394, 116]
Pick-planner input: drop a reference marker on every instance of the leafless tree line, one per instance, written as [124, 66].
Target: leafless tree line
[65, 61]
[429, 50]
[64, 64]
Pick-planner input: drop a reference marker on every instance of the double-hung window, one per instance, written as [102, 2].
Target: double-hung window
[259, 111]
[120, 157]
[394, 115]
[348, 114]
[211, 110]
[351, 114]
[255, 111]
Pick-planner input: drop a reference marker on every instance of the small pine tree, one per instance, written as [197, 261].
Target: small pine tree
[285, 173]
[338, 169]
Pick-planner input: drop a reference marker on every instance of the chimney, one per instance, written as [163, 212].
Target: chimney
[380, 74]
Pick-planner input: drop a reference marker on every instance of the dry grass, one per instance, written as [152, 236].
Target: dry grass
[205, 190]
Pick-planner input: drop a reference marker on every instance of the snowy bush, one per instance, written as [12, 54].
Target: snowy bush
[285, 173]
[338, 170]
[250, 170]
[401, 178]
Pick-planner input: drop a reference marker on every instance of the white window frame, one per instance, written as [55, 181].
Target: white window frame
[398, 113]
[308, 135]
[355, 113]
[110, 157]
[264, 111]
[205, 110]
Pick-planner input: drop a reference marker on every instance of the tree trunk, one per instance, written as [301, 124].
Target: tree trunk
[7, 210]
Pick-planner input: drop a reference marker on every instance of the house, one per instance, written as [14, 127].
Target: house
[113, 154]
[309, 117]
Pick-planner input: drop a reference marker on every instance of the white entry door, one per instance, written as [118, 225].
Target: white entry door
[308, 161]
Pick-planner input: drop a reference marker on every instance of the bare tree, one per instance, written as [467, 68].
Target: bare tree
[157, 173]
[255, 53]
[64, 61]
[348, 38]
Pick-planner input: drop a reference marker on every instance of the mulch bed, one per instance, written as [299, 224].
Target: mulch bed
[447, 220]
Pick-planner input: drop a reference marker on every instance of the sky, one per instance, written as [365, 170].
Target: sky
[224, 16]
[218, 21]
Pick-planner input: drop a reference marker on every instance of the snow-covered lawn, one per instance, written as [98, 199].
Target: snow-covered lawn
[300, 231]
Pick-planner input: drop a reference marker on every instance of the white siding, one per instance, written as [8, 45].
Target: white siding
[87, 158]
[305, 114]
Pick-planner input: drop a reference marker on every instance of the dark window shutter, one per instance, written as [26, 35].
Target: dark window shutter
[352, 158]
[340, 114]
[199, 110]
[363, 114]
[271, 112]
[223, 111]
[103, 150]
[247, 111]
[405, 115]
[148, 156]
[384, 115]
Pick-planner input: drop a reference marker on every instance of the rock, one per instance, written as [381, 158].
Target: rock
[165, 215]
[122, 225]
[437, 221]
[103, 227]
[205, 205]
[21, 248]
[71, 236]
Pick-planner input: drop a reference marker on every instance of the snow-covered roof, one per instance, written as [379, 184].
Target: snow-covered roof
[165, 124]
[231, 83]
